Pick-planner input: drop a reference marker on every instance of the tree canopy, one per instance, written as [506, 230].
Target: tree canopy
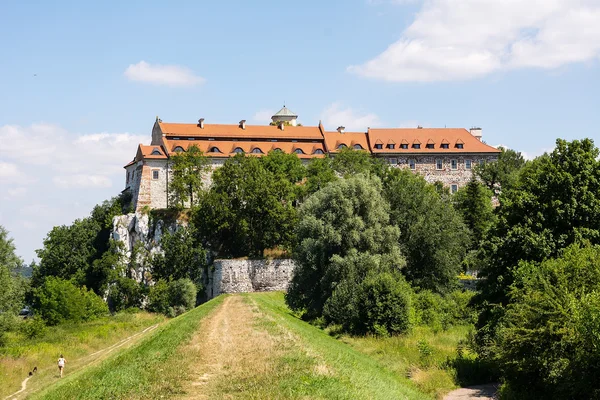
[188, 170]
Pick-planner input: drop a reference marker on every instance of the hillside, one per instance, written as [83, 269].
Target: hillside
[239, 346]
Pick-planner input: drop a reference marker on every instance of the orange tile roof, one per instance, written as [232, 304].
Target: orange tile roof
[334, 139]
[235, 131]
[150, 152]
[437, 135]
[227, 148]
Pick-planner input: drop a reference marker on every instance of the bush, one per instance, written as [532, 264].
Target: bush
[385, 304]
[125, 293]
[58, 300]
[33, 327]
[441, 311]
[172, 298]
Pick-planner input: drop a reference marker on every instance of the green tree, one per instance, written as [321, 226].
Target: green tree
[247, 210]
[502, 173]
[12, 287]
[319, 173]
[433, 236]
[188, 168]
[474, 202]
[350, 162]
[343, 234]
[554, 203]
[548, 341]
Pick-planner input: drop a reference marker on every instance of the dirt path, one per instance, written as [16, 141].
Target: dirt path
[481, 392]
[77, 364]
[229, 345]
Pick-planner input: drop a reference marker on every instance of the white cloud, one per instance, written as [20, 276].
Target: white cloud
[337, 115]
[15, 192]
[450, 41]
[9, 172]
[263, 116]
[82, 181]
[170, 75]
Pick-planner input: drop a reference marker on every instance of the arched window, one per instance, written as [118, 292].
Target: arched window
[278, 150]
[238, 150]
[178, 149]
[256, 150]
[342, 146]
[318, 151]
[155, 152]
[299, 151]
[214, 149]
[358, 147]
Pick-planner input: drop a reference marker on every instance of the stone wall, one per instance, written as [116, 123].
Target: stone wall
[244, 276]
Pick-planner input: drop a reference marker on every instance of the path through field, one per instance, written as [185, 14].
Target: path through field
[45, 377]
[480, 392]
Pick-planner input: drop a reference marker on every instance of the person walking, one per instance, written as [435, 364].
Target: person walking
[61, 364]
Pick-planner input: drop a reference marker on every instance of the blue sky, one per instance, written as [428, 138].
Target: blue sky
[82, 83]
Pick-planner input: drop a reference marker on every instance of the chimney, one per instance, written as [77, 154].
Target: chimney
[419, 127]
[281, 125]
[243, 124]
[341, 129]
[201, 123]
[476, 132]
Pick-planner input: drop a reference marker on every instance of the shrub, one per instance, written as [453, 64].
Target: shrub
[442, 311]
[182, 293]
[33, 327]
[385, 304]
[158, 297]
[125, 293]
[172, 298]
[58, 300]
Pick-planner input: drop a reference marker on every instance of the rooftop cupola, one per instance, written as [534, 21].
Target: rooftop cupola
[285, 115]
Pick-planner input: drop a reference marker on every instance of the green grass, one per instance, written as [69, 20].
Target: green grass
[75, 340]
[149, 370]
[353, 375]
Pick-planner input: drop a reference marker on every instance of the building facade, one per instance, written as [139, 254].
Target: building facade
[447, 155]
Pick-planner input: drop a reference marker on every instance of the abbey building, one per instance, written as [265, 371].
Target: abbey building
[447, 155]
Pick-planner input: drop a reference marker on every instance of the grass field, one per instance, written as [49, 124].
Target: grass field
[75, 341]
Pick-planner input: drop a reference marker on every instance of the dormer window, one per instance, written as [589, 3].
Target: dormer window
[178, 149]
[379, 146]
[391, 146]
[416, 145]
[445, 146]
[404, 146]
[319, 151]
[256, 150]
[238, 150]
[357, 147]
[277, 150]
[214, 149]
[430, 146]
[342, 146]
[299, 151]
[459, 145]
[156, 152]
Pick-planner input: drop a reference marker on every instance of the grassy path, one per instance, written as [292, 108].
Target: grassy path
[237, 347]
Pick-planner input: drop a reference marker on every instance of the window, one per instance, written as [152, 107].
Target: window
[342, 146]
[412, 163]
[467, 164]
[379, 146]
[155, 152]
[277, 150]
[178, 149]
[454, 188]
[454, 164]
[357, 147]
[238, 150]
[438, 164]
[191, 138]
[430, 146]
[404, 146]
[256, 150]
[318, 151]
[416, 145]
[445, 146]
[393, 161]
[391, 146]
[481, 162]
[155, 174]
[214, 149]
[459, 145]
[299, 151]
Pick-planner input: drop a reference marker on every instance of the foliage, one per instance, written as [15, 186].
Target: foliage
[554, 203]
[58, 300]
[503, 173]
[548, 341]
[33, 327]
[319, 173]
[443, 311]
[433, 236]
[349, 162]
[474, 202]
[125, 293]
[343, 234]
[248, 209]
[172, 297]
[182, 256]
[12, 287]
[188, 169]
